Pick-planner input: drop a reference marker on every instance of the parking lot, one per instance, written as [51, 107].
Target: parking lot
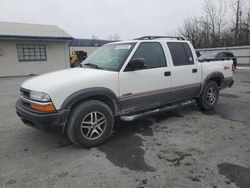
[182, 148]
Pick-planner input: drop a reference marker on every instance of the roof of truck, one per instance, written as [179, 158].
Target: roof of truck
[155, 39]
[159, 37]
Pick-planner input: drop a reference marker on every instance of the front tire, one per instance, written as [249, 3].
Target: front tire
[90, 124]
[209, 96]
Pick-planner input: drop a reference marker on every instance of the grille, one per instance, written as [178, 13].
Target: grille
[27, 105]
[25, 93]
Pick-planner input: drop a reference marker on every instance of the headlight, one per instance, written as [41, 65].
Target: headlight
[39, 96]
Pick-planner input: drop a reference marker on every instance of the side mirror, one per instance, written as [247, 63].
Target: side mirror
[136, 64]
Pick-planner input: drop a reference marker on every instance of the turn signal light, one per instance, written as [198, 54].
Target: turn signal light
[43, 108]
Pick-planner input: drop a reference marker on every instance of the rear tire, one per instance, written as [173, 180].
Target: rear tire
[209, 96]
[90, 124]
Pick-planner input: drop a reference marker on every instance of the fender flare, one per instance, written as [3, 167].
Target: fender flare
[91, 92]
[209, 77]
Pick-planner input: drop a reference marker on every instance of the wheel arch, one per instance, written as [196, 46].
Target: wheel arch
[217, 77]
[104, 95]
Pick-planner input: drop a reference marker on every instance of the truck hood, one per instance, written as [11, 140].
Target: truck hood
[61, 84]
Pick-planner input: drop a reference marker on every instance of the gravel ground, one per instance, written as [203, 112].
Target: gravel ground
[183, 148]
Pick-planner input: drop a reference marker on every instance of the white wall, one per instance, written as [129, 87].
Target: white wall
[57, 58]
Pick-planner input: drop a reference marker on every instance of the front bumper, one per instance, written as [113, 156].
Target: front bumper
[50, 122]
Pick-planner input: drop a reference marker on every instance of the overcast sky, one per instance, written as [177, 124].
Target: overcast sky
[84, 18]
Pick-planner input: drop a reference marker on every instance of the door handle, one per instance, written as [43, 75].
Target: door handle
[194, 70]
[167, 73]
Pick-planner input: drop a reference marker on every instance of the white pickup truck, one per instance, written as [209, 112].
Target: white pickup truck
[128, 80]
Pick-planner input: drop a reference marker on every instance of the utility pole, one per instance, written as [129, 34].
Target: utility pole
[237, 23]
[248, 26]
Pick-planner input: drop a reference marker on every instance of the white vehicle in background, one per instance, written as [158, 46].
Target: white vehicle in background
[129, 80]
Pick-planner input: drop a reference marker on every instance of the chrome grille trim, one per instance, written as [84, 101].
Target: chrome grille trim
[35, 102]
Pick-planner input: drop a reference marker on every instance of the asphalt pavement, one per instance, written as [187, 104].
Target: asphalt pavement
[183, 148]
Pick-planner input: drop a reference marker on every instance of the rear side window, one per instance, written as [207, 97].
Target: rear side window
[152, 53]
[230, 54]
[221, 54]
[181, 53]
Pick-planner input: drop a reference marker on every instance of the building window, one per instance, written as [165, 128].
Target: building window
[31, 52]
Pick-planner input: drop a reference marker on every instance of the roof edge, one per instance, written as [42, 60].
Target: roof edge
[23, 37]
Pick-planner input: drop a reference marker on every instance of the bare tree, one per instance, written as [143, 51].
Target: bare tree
[94, 37]
[110, 37]
[244, 27]
[191, 31]
[217, 27]
[215, 12]
[248, 27]
[114, 37]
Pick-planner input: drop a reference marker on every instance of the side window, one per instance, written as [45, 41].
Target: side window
[181, 53]
[189, 54]
[228, 54]
[152, 53]
[221, 54]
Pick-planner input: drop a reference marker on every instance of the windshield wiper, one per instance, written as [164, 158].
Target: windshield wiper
[92, 65]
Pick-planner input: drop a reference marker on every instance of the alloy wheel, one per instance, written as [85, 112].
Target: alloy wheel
[211, 96]
[93, 125]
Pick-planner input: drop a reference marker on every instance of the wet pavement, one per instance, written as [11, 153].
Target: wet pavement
[236, 174]
[182, 148]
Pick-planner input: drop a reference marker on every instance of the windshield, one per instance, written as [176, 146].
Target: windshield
[109, 57]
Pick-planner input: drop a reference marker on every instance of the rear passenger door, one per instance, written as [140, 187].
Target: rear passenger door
[149, 86]
[185, 75]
